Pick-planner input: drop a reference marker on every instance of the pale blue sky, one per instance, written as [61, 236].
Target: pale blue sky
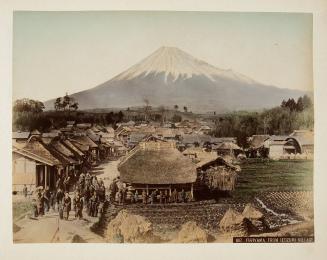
[58, 52]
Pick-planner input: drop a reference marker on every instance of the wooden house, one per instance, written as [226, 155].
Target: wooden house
[85, 143]
[34, 165]
[229, 149]
[280, 146]
[157, 164]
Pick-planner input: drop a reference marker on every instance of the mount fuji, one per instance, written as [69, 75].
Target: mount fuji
[170, 76]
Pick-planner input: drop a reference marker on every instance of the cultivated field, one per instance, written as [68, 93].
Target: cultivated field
[282, 190]
[260, 177]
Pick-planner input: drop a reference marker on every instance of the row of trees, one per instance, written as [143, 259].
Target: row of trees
[65, 103]
[29, 115]
[28, 105]
[301, 104]
[44, 121]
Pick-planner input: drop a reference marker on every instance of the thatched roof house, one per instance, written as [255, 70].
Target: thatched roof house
[228, 149]
[157, 163]
[303, 141]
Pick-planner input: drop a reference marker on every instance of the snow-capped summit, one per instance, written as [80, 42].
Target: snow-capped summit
[177, 64]
[170, 77]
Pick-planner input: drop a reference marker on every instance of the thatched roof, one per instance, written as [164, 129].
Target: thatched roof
[257, 141]
[151, 164]
[303, 137]
[94, 136]
[56, 144]
[228, 146]
[64, 160]
[85, 140]
[73, 148]
[215, 160]
[136, 137]
[80, 146]
[36, 150]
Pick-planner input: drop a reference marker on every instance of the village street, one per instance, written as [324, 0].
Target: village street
[106, 171]
[50, 228]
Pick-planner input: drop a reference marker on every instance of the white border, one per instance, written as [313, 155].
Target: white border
[213, 251]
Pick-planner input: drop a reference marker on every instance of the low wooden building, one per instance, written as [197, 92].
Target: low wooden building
[279, 146]
[86, 142]
[34, 165]
[157, 164]
[228, 149]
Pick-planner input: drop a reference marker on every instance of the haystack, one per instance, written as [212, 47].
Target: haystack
[256, 217]
[191, 233]
[251, 212]
[221, 178]
[129, 228]
[234, 223]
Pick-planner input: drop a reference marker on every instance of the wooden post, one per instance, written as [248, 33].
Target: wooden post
[55, 173]
[45, 176]
[169, 190]
[147, 189]
[192, 196]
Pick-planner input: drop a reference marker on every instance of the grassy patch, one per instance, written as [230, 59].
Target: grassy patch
[21, 207]
[273, 176]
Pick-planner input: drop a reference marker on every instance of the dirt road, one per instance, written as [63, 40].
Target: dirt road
[106, 171]
[49, 228]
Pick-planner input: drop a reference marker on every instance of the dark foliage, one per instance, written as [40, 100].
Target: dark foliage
[281, 120]
[28, 105]
[27, 121]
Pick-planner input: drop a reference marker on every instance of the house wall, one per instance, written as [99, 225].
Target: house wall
[24, 172]
[275, 151]
[307, 149]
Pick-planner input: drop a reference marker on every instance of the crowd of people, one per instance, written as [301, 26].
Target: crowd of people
[126, 195]
[89, 194]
